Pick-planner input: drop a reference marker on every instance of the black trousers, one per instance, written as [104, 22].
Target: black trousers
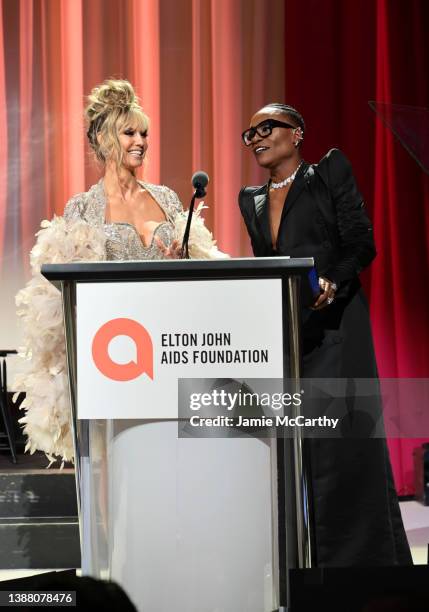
[356, 512]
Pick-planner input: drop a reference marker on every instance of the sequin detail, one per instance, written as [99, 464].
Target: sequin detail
[122, 239]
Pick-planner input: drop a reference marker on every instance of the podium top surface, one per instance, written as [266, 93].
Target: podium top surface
[119, 271]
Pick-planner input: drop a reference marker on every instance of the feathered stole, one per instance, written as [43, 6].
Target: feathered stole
[201, 243]
[47, 420]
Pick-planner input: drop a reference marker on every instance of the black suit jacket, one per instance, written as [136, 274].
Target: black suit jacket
[356, 512]
[323, 217]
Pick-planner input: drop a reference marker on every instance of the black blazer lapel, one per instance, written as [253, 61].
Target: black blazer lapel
[296, 188]
[260, 200]
[298, 185]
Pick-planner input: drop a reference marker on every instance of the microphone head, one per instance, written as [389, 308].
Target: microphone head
[200, 181]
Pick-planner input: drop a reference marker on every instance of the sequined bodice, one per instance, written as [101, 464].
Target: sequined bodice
[123, 242]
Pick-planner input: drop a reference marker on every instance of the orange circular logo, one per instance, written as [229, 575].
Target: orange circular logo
[144, 350]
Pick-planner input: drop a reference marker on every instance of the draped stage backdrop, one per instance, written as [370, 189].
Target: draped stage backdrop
[201, 67]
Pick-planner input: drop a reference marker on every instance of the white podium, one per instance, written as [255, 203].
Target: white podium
[191, 524]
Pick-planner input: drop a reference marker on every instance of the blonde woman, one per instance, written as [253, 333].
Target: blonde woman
[138, 218]
[118, 218]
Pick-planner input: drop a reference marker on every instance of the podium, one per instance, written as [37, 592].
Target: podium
[185, 523]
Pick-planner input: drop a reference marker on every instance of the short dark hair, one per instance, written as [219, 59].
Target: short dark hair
[289, 110]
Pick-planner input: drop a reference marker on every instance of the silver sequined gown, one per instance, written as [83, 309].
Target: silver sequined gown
[122, 239]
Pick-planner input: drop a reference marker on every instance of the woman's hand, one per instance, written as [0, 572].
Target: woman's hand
[171, 252]
[327, 296]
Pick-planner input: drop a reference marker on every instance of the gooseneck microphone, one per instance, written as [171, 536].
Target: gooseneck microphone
[199, 181]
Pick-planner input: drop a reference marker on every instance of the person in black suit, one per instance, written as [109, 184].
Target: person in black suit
[316, 210]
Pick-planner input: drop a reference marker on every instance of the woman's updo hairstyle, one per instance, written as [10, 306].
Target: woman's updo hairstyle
[111, 106]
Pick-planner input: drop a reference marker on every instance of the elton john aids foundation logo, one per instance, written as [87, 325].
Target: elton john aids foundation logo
[143, 362]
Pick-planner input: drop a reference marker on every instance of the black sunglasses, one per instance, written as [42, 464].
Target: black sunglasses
[264, 129]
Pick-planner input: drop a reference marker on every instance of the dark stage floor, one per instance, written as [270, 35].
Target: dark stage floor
[27, 462]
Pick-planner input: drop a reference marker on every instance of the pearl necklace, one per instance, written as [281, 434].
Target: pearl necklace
[287, 180]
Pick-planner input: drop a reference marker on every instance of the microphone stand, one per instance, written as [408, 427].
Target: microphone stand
[184, 251]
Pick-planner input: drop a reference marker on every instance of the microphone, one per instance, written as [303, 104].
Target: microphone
[200, 181]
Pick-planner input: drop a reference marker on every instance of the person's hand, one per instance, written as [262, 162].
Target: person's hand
[327, 296]
[171, 252]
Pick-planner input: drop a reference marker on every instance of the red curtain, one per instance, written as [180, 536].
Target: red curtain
[195, 66]
[201, 68]
[340, 55]
[3, 141]
[198, 72]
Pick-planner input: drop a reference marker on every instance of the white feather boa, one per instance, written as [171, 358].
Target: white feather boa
[47, 420]
[201, 243]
